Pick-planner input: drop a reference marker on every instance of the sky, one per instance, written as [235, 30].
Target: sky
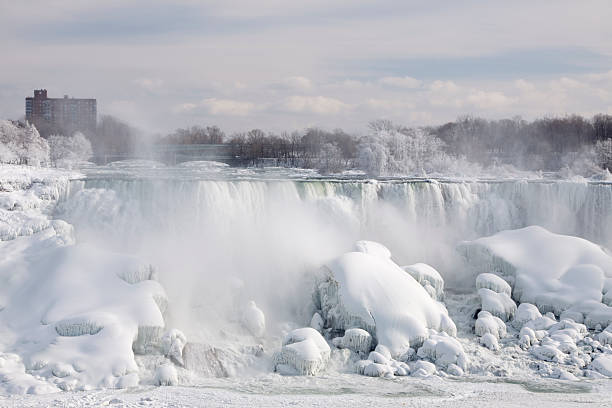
[288, 65]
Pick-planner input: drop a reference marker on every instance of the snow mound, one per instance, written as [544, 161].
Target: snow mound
[605, 337]
[166, 374]
[372, 248]
[603, 365]
[490, 341]
[357, 340]
[525, 313]
[304, 352]
[428, 277]
[489, 324]
[80, 333]
[552, 271]
[443, 350]
[493, 282]
[360, 290]
[498, 304]
[381, 364]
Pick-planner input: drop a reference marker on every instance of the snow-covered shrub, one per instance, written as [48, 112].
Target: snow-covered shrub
[68, 150]
[22, 144]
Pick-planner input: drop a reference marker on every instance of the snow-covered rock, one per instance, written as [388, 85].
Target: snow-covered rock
[317, 322]
[525, 312]
[443, 350]
[372, 248]
[490, 341]
[498, 304]
[166, 374]
[428, 277]
[605, 337]
[554, 272]
[487, 323]
[359, 290]
[357, 340]
[493, 282]
[79, 333]
[603, 364]
[304, 352]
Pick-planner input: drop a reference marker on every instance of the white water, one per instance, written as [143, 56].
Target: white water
[220, 242]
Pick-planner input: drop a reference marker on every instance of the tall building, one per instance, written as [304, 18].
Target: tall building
[60, 115]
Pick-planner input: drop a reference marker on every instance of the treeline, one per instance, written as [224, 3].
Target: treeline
[547, 144]
[542, 144]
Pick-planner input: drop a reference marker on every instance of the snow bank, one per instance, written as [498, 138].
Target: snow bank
[371, 292]
[81, 329]
[304, 352]
[553, 272]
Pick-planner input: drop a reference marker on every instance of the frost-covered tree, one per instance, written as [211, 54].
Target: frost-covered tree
[68, 150]
[392, 151]
[21, 144]
[603, 150]
[330, 160]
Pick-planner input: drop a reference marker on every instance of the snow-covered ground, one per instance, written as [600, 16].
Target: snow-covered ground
[140, 285]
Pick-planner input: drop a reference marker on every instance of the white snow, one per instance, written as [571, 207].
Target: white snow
[493, 282]
[498, 304]
[254, 319]
[373, 293]
[553, 272]
[357, 340]
[304, 352]
[443, 350]
[525, 312]
[489, 324]
[372, 248]
[428, 277]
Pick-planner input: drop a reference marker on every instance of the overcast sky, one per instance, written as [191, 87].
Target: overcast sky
[292, 64]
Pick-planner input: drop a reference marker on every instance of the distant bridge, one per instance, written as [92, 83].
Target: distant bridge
[175, 153]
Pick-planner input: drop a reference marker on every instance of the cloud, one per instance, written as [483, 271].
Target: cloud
[298, 83]
[227, 107]
[149, 84]
[320, 105]
[493, 100]
[184, 107]
[401, 82]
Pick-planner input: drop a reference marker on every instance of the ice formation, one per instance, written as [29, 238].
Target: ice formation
[84, 333]
[360, 290]
[304, 352]
[254, 320]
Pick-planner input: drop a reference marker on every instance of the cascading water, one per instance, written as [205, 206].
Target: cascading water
[218, 242]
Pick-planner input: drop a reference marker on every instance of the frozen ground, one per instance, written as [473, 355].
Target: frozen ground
[338, 390]
[175, 276]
